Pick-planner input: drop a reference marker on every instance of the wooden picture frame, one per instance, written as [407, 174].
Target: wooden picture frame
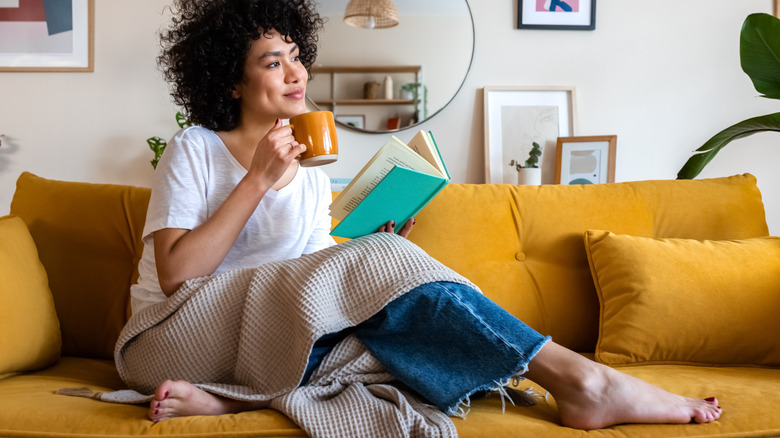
[585, 160]
[776, 10]
[48, 38]
[556, 14]
[515, 118]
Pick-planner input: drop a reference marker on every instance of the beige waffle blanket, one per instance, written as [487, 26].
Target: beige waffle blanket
[247, 335]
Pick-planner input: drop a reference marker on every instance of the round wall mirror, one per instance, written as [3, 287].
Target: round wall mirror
[384, 79]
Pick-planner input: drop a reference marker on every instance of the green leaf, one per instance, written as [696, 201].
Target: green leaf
[759, 53]
[182, 120]
[695, 164]
[156, 144]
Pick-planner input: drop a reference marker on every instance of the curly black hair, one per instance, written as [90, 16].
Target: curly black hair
[205, 49]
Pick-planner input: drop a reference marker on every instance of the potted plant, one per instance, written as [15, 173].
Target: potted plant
[530, 174]
[759, 46]
[411, 91]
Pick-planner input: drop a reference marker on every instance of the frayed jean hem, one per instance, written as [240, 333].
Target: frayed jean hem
[463, 406]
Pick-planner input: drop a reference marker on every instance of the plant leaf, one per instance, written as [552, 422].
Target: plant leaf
[759, 53]
[695, 164]
[182, 120]
[156, 144]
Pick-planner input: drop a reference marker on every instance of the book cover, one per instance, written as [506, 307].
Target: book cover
[394, 185]
[398, 197]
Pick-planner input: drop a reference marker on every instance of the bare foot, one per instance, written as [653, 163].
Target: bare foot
[182, 399]
[592, 396]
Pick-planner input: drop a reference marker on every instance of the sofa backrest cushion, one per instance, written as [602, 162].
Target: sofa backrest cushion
[29, 329]
[89, 241]
[523, 245]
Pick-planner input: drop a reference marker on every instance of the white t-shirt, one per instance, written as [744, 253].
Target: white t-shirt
[195, 175]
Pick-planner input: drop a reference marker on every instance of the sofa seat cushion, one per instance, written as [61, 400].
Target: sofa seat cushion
[749, 398]
[29, 407]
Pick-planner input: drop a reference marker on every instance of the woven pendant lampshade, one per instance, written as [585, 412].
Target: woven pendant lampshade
[371, 14]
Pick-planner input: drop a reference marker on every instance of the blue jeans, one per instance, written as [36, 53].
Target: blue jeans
[446, 341]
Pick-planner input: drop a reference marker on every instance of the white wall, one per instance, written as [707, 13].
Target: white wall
[664, 76]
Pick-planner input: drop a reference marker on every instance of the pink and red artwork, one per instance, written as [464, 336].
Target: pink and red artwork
[557, 5]
[36, 26]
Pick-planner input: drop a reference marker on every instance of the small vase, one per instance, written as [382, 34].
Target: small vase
[388, 87]
[530, 176]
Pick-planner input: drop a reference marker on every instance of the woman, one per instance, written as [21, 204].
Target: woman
[229, 194]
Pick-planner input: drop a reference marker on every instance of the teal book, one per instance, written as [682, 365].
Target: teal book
[395, 185]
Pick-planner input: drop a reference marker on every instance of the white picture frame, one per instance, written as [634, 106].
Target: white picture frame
[354, 121]
[32, 45]
[586, 160]
[517, 116]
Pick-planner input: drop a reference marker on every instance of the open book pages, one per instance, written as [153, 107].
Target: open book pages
[394, 153]
[425, 146]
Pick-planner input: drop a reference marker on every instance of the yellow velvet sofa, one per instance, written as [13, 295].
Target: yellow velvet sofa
[675, 282]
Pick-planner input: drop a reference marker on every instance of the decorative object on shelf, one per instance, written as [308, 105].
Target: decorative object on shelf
[50, 37]
[530, 173]
[355, 121]
[371, 90]
[556, 14]
[393, 123]
[758, 48]
[371, 14]
[411, 91]
[515, 116]
[585, 160]
[388, 85]
[157, 144]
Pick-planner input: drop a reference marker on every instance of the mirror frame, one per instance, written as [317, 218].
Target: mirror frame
[460, 87]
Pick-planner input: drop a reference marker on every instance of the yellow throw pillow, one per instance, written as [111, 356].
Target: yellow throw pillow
[29, 330]
[683, 301]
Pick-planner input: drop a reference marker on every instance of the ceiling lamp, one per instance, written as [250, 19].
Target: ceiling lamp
[371, 14]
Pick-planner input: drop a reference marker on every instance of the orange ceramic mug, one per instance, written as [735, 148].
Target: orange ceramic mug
[317, 131]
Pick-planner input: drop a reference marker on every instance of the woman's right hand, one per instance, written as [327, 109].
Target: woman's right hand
[274, 153]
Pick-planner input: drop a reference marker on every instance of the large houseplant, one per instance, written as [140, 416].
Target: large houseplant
[759, 53]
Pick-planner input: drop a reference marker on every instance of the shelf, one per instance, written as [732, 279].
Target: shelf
[366, 69]
[365, 102]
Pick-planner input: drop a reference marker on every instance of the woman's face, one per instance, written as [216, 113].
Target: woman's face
[274, 83]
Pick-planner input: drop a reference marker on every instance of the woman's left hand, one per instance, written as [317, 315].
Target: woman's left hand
[389, 227]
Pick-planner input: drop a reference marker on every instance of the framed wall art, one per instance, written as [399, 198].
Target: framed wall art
[556, 14]
[356, 121]
[776, 9]
[585, 160]
[517, 117]
[47, 35]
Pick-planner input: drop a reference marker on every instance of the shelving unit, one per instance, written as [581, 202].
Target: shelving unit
[335, 71]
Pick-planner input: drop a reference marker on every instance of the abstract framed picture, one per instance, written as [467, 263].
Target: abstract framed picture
[355, 121]
[556, 14]
[47, 35]
[585, 160]
[518, 117]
